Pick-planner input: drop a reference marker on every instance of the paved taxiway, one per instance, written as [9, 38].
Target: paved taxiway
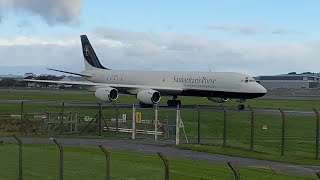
[146, 146]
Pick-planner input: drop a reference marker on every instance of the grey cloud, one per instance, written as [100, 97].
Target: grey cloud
[183, 52]
[145, 51]
[118, 34]
[235, 28]
[52, 11]
[284, 31]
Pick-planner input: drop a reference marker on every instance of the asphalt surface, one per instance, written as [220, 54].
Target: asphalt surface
[145, 146]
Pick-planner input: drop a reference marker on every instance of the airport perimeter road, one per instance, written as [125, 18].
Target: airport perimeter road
[151, 147]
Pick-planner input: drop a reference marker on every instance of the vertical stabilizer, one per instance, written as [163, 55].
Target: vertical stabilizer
[91, 60]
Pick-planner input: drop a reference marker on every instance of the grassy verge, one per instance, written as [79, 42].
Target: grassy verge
[41, 162]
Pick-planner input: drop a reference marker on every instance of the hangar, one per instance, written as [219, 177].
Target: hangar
[289, 81]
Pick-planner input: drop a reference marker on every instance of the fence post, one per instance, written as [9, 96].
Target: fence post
[107, 155]
[283, 139]
[156, 122]
[224, 143]
[61, 158]
[317, 132]
[251, 129]
[133, 122]
[21, 119]
[117, 119]
[166, 165]
[198, 109]
[99, 120]
[61, 121]
[235, 171]
[20, 156]
[178, 126]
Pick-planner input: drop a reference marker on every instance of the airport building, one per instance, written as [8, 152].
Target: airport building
[289, 81]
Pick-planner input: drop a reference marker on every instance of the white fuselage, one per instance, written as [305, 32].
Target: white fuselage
[214, 82]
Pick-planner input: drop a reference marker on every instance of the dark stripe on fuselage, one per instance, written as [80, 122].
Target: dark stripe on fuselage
[222, 94]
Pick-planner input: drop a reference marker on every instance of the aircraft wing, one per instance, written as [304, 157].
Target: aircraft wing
[127, 86]
[78, 74]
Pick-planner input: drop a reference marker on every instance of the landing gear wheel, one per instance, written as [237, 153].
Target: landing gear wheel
[174, 102]
[241, 107]
[143, 105]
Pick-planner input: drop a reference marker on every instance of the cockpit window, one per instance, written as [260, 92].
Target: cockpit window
[249, 80]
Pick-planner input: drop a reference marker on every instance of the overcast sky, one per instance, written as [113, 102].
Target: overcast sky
[253, 37]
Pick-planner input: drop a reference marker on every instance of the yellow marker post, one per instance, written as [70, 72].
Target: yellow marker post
[138, 117]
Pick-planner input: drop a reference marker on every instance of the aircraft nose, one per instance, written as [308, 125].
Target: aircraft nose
[262, 90]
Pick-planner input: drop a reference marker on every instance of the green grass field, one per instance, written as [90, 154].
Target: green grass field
[42, 162]
[300, 131]
[285, 104]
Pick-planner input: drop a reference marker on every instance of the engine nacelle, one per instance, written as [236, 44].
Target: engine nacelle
[218, 100]
[149, 96]
[106, 94]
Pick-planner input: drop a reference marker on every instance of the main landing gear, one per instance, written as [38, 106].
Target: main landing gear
[241, 105]
[174, 101]
[143, 105]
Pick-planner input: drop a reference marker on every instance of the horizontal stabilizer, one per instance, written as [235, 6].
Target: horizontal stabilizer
[78, 74]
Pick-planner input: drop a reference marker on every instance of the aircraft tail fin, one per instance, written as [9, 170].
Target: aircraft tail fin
[90, 58]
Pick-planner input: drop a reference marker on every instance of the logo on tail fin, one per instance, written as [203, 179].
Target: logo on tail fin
[86, 51]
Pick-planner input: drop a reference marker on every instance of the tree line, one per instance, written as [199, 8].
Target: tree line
[11, 82]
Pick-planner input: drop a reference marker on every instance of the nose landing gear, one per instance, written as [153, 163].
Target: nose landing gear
[241, 105]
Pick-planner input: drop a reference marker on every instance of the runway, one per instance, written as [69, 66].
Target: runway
[151, 147]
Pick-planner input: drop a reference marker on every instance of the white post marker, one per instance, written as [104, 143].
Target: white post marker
[177, 126]
[133, 122]
[156, 123]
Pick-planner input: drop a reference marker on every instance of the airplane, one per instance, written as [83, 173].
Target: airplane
[149, 86]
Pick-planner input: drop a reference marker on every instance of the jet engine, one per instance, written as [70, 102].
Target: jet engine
[149, 96]
[218, 100]
[106, 94]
